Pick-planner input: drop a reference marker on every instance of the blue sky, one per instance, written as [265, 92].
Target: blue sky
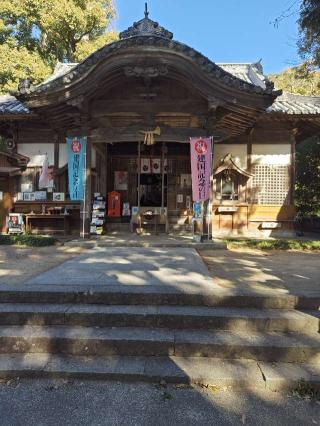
[225, 31]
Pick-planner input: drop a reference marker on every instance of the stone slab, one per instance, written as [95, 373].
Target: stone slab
[160, 316]
[152, 295]
[287, 375]
[243, 374]
[133, 267]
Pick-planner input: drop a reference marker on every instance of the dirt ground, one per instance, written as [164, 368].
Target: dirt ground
[18, 264]
[287, 272]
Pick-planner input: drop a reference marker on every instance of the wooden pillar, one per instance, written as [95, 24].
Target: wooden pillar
[106, 170]
[162, 176]
[293, 166]
[139, 172]
[249, 166]
[56, 162]
[86, 204]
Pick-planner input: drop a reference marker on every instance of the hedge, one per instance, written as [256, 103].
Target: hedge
[280, 244]
[27, 240]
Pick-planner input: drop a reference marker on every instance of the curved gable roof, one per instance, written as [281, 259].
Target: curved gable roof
[143, 34]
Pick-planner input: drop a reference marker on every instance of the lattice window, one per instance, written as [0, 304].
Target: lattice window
[271, 185]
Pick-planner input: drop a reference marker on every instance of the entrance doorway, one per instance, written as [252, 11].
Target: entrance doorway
[151, 190]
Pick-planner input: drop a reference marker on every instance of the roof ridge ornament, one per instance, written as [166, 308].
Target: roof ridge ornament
[146, 27]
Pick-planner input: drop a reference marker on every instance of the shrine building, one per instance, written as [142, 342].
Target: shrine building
[138, 101]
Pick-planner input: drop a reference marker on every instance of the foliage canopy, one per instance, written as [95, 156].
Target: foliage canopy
[308, 176]
[35, 34]
[304, 80]
[309, 22]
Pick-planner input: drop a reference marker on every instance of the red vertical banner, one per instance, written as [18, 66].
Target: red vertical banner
[201, 164]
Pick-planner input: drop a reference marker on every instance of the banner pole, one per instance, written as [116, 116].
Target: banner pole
[84, 192]
[210, 193]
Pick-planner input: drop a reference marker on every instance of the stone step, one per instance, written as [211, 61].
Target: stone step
[182, 317]
[161, 243]
[128, 341]
[243, 374]
[153, 295]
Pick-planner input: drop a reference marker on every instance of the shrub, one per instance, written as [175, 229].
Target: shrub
[280, 244]
[27, 240]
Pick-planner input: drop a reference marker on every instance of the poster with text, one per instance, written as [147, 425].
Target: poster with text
[76, 166]
[201, 163]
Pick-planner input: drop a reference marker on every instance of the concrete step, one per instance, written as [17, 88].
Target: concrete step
[107, 241]
[153, 295]
[243, 374]
[176, 317]
[87, 341]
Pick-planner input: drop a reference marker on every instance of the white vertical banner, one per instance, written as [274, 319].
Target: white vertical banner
[145, 166]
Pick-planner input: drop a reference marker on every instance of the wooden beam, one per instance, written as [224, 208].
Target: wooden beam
[101, 108]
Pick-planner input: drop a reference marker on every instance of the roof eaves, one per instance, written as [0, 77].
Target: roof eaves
[206, 64]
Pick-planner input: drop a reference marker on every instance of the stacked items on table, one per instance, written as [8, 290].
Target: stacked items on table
[98, 215]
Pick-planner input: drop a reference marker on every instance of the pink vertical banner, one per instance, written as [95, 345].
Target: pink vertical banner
[201, 159]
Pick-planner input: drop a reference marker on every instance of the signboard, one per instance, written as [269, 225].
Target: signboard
[270, 225]
[225, 209]
[201, 159]
[197, 211]
[76, 166]
[121, 181]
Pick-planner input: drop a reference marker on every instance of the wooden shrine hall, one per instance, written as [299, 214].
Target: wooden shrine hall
[138, 101]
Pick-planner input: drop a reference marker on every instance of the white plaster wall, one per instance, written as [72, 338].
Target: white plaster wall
[63, 154]
[34, 150]
[268, 154]
[238, 152]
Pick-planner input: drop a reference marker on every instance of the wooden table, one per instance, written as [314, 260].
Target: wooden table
[50, 217]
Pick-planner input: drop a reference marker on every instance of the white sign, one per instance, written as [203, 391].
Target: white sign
[270, 225]
[58, 196]
[227, 209]
[179, 198]
[26, 187]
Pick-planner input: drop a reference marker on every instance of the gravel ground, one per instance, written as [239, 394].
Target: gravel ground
[46, 403]
[267, 271]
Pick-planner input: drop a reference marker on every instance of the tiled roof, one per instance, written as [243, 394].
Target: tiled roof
[287, 103]
[60, 70]
[69, 74]
[251, 73]
[10, 105]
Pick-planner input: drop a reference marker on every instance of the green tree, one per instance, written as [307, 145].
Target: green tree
[309, 23]
[303, 79]
[34, 34]
[308, 176]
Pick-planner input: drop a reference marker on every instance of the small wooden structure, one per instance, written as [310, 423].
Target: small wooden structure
[147, 87]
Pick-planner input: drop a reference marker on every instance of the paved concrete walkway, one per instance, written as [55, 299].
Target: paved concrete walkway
[173, 267]
[78, 403]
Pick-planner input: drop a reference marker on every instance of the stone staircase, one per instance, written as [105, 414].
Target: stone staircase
[155, 333]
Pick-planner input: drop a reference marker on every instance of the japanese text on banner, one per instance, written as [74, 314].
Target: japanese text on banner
[76, 164]
[201, 159]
